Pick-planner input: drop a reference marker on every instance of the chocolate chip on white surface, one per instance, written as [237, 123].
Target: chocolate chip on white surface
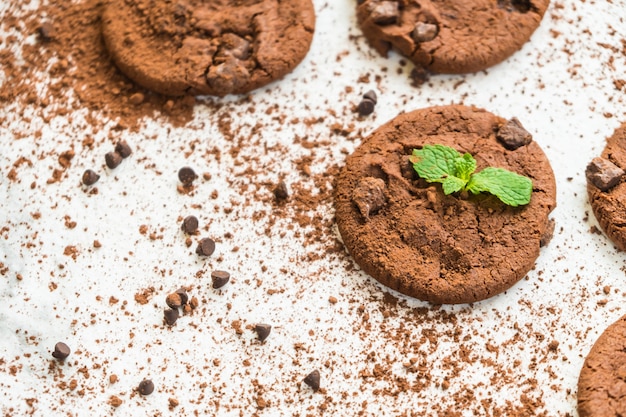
[366, 107]
[171, 315]
[190, 225]
[146, 387]
[90, 177]
[220, 278]
[113, 159]
[281, 192]
[313, 380]
[371, 95]
[123, 149]
[263, 331]
[187, 175]
[206, 247]
[61, 351]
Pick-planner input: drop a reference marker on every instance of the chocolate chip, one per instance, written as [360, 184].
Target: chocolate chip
[603, 173]
[206, 247]
[369, 196]
[262, 331]
[513, 135]
[113, 159]
[90, 177]
[366, 106]
[46, 31]
[146, 387]
[281, 193]
[171, 315]
[187, 175]
[385, 13]
[424, 32]
[123, 149]
[235, 46]
[371, 95]
[182, 293]
[419, 76]
[190, 225]
[228, 76]
[220, 278]
[174, 300]
[61, 351]
[313, 380]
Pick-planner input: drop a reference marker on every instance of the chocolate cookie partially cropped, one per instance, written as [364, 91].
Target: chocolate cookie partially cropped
[606, 187]
[450, 36]
[214, 47]
[602, 381]
[456, 248]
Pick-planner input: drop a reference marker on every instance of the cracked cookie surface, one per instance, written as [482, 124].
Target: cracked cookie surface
[213, 47]
[450, 36]
[441, 248]
[602, 381]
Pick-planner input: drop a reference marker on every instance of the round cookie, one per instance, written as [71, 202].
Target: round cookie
[602, 381]
[606, 187]
[450, 36]
[441, 248]
[213, 47]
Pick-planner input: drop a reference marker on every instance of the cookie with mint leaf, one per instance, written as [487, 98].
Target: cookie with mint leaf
[466, 230]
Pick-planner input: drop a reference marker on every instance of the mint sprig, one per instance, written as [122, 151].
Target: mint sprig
[455, 172]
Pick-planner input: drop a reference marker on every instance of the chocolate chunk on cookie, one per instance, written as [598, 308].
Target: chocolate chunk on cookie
[603, 173]
[513, 135]
[606, 188]
[602, 380]
[201, 47]
[410, 236]
[450, 36]
[369, 195]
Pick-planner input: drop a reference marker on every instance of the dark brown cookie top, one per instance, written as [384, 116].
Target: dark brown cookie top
[450, 36]
[213, 47]
[444, 249]
[602, 381]
[606, 187]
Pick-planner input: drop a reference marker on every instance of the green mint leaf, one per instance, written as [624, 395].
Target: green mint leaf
[435, 163]
[439, 163]
[511, 188]
[452, 185]
[465, 166]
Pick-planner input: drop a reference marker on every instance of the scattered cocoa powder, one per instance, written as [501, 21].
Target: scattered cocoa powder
[74, 66]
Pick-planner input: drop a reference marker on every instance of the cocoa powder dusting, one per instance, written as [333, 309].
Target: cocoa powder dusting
[67, 68]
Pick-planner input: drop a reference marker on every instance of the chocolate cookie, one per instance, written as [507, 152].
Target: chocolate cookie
[602, 381]
[213, 47]
[441, 248]
[450, 36]
[606, 187]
